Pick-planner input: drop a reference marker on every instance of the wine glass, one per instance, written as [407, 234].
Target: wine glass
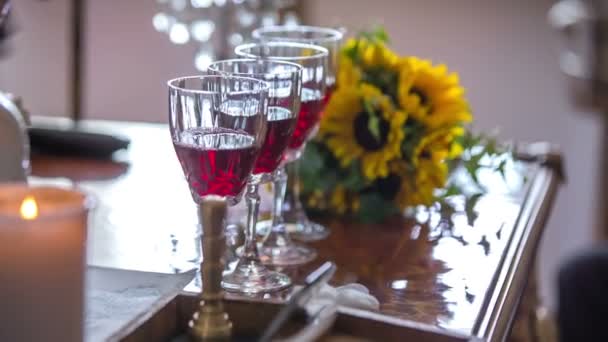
[278, 248]
[217, 125]
[299, 225]
[284, 80]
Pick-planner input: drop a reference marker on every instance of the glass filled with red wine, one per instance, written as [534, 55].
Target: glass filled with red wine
[296, 219]
[278, 248]
[217, 125]
[284, 81]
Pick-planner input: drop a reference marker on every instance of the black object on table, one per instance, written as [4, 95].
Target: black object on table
[74, 142]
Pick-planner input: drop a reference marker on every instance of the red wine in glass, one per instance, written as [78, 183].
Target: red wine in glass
[279, 130]
[310, 113]
[328, 92]
[216, 161]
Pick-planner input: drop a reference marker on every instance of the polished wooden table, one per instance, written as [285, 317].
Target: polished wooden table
[470, 281]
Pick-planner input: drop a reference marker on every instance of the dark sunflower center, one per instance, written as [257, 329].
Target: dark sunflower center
[425, 154]
[424, 100]
[365, 137]
[389, 186]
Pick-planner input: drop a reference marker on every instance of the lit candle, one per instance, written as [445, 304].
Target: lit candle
[42, 263]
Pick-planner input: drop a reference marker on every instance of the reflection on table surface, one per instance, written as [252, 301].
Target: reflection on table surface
[145, 220]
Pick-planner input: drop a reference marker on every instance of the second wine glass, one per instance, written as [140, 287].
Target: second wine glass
[217, 125]
[278, 248]
[284, 82]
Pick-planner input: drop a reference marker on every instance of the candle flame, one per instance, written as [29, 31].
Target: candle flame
[29, 208]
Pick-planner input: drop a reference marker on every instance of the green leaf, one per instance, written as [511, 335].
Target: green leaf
[501, 168]
[414, 131]
[315, 162]
[380, 34]
[369, 107]
[452, 190]
[352, 52]
[328, 181]
[470, 140]
[374, 208]
[472, 166]
[373, 121]
[373, 125]
[385, 80]
[469, 207]
[354, 180]
[312, 161]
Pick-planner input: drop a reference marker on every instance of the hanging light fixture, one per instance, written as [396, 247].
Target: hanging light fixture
[217, 26]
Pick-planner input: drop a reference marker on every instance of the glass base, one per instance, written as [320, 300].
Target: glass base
[302, 232]
[308, 231]
[297, 223]
[251, 277]
[288, 255]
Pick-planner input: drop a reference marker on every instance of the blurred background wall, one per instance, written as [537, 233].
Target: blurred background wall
[504, 51]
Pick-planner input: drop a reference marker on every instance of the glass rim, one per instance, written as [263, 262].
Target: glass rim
[331, 35]
[171, 84]
[321, 51]
[297, 69]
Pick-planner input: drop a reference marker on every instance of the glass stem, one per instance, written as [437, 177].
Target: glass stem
[211, 321]
[212, 215]
[252, 197]
[280, 185]
[293, 185]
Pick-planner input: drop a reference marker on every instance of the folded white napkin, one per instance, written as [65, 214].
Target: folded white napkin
[351, 295]
[323, 306]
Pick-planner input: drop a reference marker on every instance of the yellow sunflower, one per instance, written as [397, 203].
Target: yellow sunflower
[418, 186]
[369, 54]
[377, 54]
[348, 73]
[429, 170]
[432, 95]
[439, 145]
[316, 200]
[338, 200]
[360, 123]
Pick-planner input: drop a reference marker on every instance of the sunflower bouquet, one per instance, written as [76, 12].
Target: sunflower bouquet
[392, 133]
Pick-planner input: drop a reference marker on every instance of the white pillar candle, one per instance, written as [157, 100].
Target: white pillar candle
[42, 263]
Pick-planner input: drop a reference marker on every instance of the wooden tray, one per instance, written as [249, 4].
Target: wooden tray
[251, 317]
